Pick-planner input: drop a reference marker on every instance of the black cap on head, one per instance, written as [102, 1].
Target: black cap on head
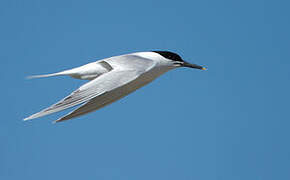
[175, 57]
[169, 55]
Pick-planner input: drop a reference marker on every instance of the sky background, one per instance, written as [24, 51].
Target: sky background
[228, 123]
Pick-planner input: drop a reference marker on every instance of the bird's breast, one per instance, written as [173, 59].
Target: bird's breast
[147, 77]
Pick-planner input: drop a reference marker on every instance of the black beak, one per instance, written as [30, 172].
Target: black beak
[186, 64]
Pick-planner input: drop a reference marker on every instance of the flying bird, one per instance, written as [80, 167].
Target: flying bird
[111, 79]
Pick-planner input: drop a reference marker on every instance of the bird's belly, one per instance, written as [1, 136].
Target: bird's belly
[144, 79]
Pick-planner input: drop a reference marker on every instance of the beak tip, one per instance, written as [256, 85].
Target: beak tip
[203, 68]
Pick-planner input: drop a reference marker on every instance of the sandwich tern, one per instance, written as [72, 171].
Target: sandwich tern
[111, 79]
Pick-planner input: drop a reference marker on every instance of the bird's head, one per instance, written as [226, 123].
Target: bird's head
[177, 61]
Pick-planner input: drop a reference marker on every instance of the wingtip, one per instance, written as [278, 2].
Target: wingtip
[57, 121]
[33, 116]
[29, 77]
[26, 119]
[45, 75]
[34, 76]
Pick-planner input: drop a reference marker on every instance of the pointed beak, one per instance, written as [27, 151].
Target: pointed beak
[186, 64]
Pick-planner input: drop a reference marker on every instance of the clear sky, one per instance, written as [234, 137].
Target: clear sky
[228, 123]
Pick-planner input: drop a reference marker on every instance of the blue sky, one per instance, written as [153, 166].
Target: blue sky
[230, 122]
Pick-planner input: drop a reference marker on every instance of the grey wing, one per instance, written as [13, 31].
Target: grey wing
[97, 103]
[90, 90]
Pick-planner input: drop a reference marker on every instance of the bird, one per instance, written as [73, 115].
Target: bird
[111, 79]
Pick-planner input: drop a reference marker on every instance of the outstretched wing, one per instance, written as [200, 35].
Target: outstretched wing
[97, 87]
[98, 102]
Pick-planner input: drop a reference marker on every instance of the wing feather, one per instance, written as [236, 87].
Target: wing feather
[101, 100]
[88, 91]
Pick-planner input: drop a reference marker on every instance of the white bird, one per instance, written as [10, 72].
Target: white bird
[111, 79]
